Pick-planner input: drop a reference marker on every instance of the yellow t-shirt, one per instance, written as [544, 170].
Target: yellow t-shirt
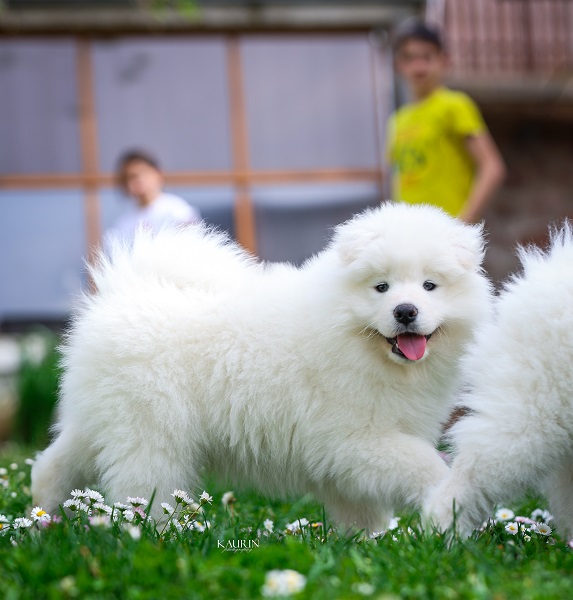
[431, 164]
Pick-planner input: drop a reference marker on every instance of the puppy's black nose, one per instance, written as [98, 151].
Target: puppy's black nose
[405, 313]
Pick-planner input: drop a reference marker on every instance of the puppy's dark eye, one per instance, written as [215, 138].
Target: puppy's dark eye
[429, 286]
[382, 287]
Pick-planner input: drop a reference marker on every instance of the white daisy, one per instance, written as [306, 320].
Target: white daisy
[283, 583]
[22, 523]
[94, 496]
[4, 524]
[102, 508]
[133, 530]
[181, 497]
[84, 508]
[68, 585]
[13, 466]
[228, 498]
[504, 514]
[29, 461]
[541, 515]
[39, 514]
[77, 506]
[78, 494]
[137, 501]
[199, 526]
[376, 534]
[3, 471]
[295, 526]
[269, 525]
[204, 497]
[167, 508]
[176, 525]
[128, 515]
[542, 529]
[363, 588]
[100, 521]
[512, 528]
[120, 506]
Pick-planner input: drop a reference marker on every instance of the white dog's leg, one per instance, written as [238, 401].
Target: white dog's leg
[455, 492]
[145, 471]
[496, 460]
[350, 516]
[62, 467]
[399, 470]
[559, 492]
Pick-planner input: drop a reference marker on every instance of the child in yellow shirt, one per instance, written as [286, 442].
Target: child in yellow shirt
[439, 147]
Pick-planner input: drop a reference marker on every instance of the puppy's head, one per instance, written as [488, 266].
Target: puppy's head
[414, 279]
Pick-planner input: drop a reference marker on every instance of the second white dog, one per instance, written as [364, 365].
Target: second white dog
[520, 434]
[332, 379]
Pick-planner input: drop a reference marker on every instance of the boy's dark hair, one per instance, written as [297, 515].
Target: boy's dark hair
[413, 29]
[134, 155]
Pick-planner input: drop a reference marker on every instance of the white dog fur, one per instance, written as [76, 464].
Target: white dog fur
[194, 357]
[520, 432]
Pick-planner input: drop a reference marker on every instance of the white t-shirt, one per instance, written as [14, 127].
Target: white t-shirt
[166, 210]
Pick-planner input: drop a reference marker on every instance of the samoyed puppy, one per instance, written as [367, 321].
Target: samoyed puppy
[519, 433]
[333, 378]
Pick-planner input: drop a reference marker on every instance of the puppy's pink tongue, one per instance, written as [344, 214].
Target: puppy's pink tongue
[411, 345]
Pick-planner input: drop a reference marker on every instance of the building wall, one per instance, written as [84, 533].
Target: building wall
[539, 187]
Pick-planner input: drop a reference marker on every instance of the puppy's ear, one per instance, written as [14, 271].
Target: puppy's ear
[468, 245]
[351, 238]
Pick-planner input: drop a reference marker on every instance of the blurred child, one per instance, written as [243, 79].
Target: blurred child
[438, 145]
[140, 177]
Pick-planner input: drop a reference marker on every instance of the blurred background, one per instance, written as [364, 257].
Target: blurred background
[269, 116]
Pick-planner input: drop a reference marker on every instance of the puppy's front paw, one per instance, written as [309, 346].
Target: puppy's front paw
[452, 503]
[438, 509]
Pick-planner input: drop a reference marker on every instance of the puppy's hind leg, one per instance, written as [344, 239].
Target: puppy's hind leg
[138, 469]
[63, 466]
[559, 492]
[350, 516]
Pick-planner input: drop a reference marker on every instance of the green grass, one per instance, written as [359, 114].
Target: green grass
[73, 560]
[37, 386]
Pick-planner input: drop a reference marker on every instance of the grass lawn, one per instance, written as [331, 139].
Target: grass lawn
[129, 558]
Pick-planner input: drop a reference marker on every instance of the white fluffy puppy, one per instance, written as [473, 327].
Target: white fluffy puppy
[332, 378]
[520, 432]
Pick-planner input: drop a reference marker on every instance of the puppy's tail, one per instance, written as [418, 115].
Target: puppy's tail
[560, 249]
[188, 256]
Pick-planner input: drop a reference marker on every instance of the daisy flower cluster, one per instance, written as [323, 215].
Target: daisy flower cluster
[303, 527]
[393, 531]
[38, 518]
[536, 524]
[183, 515]
[87, 508]
[186, 515]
